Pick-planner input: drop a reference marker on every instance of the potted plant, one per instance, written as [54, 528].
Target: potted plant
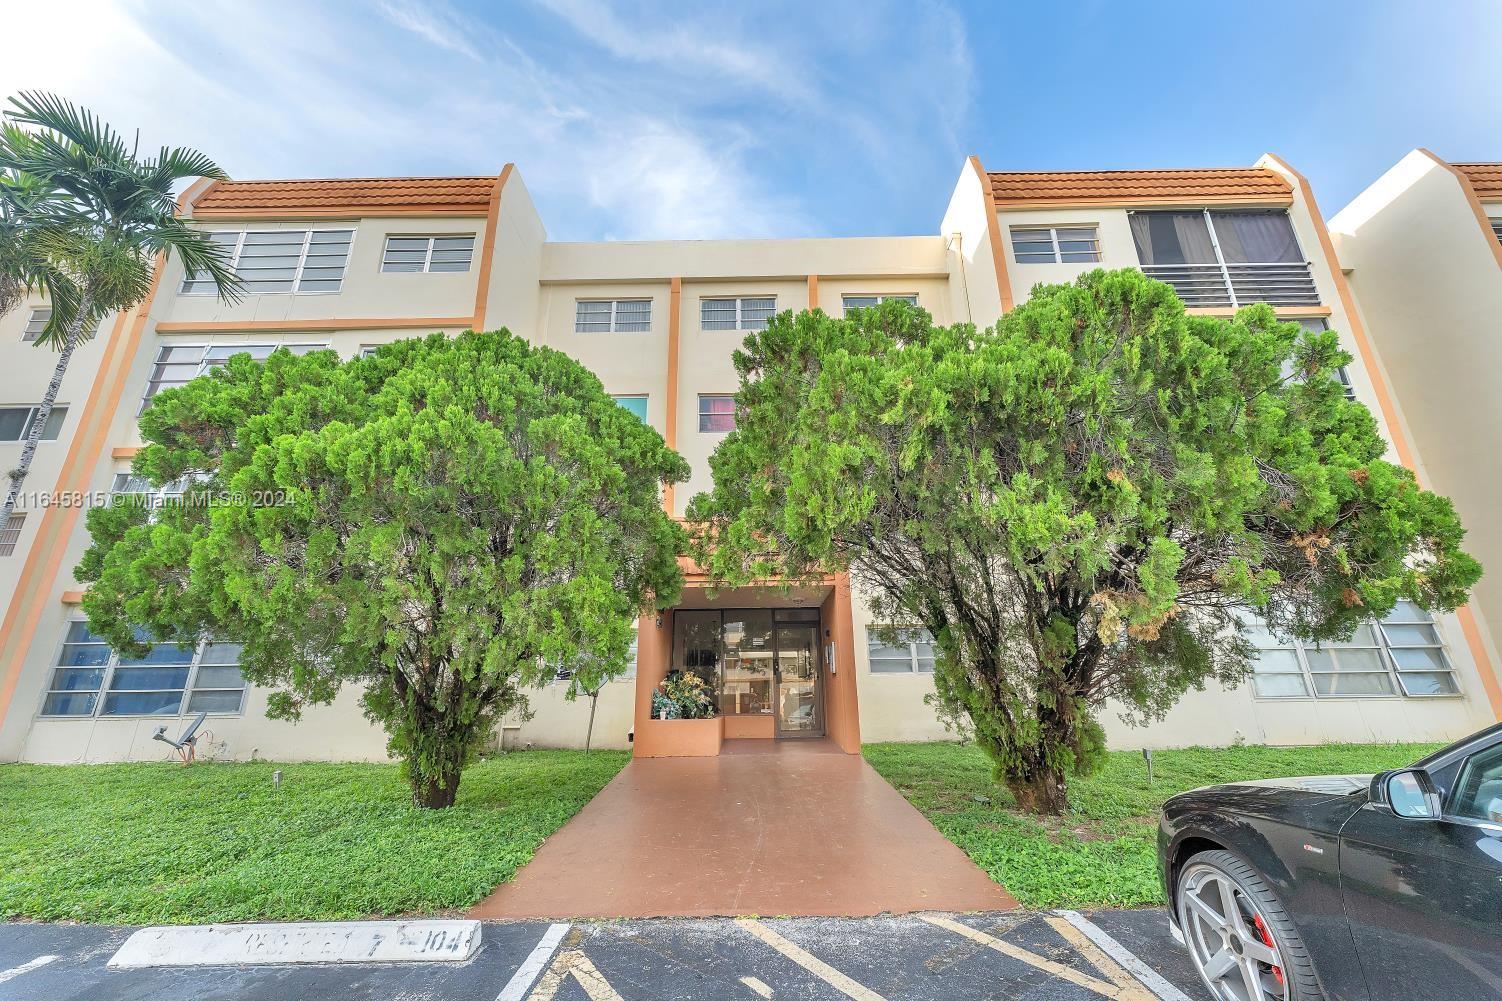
[682, 696]
[685, 722]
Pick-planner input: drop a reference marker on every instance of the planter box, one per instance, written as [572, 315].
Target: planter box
[680, 738]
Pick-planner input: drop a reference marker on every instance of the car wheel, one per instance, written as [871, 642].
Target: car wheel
[1239, 936]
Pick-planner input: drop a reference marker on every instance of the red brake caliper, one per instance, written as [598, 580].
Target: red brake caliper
[1267, 940]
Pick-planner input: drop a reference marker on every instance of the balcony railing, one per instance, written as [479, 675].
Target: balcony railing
[1236, 285]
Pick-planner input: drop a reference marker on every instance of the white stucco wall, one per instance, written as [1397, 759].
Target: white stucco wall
[1430, 288]
[534, 287]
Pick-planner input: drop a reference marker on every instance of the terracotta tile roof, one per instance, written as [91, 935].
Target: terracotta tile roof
[1486, 178]
[1200, 184]
[356, 196]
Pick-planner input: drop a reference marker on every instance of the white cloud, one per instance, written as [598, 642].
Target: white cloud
[720, 123]
[663, 183]
[436, 23]
[712, 49]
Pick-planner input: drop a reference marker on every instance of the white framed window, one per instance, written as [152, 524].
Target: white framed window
[1317, 323]
[1055, 244]
[605, 316]
[16, 423]
[1401, 655]
[915, 656]
[37, 322]
[428, 253]
[178, 364]
[280, 260]
[744, 313]
[636, 403]
[716, 414]
[10, 535]
[91, 680]
[1497, 228]
[130, 485]
[867, 301]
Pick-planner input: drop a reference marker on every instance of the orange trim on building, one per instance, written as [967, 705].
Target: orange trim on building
[1484, 666]
[842, 714]
[993, 227]
[72, 597]
[1468, 188]
[1485, 178]
[675, 325]
[487, 248]
[191, 194]
[813, 292]
[169, 327]
[124, 452]
[43, 562]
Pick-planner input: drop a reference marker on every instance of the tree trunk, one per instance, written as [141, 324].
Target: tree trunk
[437, 792]
[594, 700]
[44, 409]
[1039, 790]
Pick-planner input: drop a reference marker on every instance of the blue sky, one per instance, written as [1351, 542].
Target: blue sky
[739, 119]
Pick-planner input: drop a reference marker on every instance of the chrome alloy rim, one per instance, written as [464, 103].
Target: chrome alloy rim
[1229, 939]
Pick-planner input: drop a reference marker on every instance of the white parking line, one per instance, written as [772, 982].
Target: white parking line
[1006, 948]
[537, 960]
[16, 971]
[757, 987]
[1150, 978]
[577, 965]
[812, 964]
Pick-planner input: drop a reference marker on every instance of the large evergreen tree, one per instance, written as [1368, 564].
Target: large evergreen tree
[441, 524]
[1081, 504]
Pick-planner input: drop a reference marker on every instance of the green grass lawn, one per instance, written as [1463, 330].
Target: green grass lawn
[1103, 853]
[162, 844]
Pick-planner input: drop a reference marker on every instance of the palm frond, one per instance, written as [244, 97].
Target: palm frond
[78, 126]
[200, 255]
[120, 206]
[180, 163]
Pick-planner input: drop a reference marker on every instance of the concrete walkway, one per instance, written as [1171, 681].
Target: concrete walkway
[794, 828]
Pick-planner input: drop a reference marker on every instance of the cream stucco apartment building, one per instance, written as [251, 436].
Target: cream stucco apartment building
[1422, 247]
[352, 264]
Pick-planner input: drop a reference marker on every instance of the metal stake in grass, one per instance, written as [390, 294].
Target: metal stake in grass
[276, 780]
[1147, 755]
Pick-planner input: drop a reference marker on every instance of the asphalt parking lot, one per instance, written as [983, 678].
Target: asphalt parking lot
[938, 957]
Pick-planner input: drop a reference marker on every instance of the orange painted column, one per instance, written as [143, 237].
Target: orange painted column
[487, 249]
[841, 701]
[670, 432]
[813, 292]
[654, 644]
[993, 230]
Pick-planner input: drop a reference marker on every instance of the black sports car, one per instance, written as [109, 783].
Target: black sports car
[1377, 888]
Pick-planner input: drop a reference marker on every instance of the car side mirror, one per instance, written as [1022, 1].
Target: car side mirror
[1407, 792]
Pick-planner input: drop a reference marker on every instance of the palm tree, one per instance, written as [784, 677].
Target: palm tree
[25, 268]
[110, 215]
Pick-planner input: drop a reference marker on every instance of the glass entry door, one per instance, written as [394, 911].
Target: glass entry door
[799, 705]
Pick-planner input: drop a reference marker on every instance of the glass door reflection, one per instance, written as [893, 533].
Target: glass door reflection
[798, 709]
